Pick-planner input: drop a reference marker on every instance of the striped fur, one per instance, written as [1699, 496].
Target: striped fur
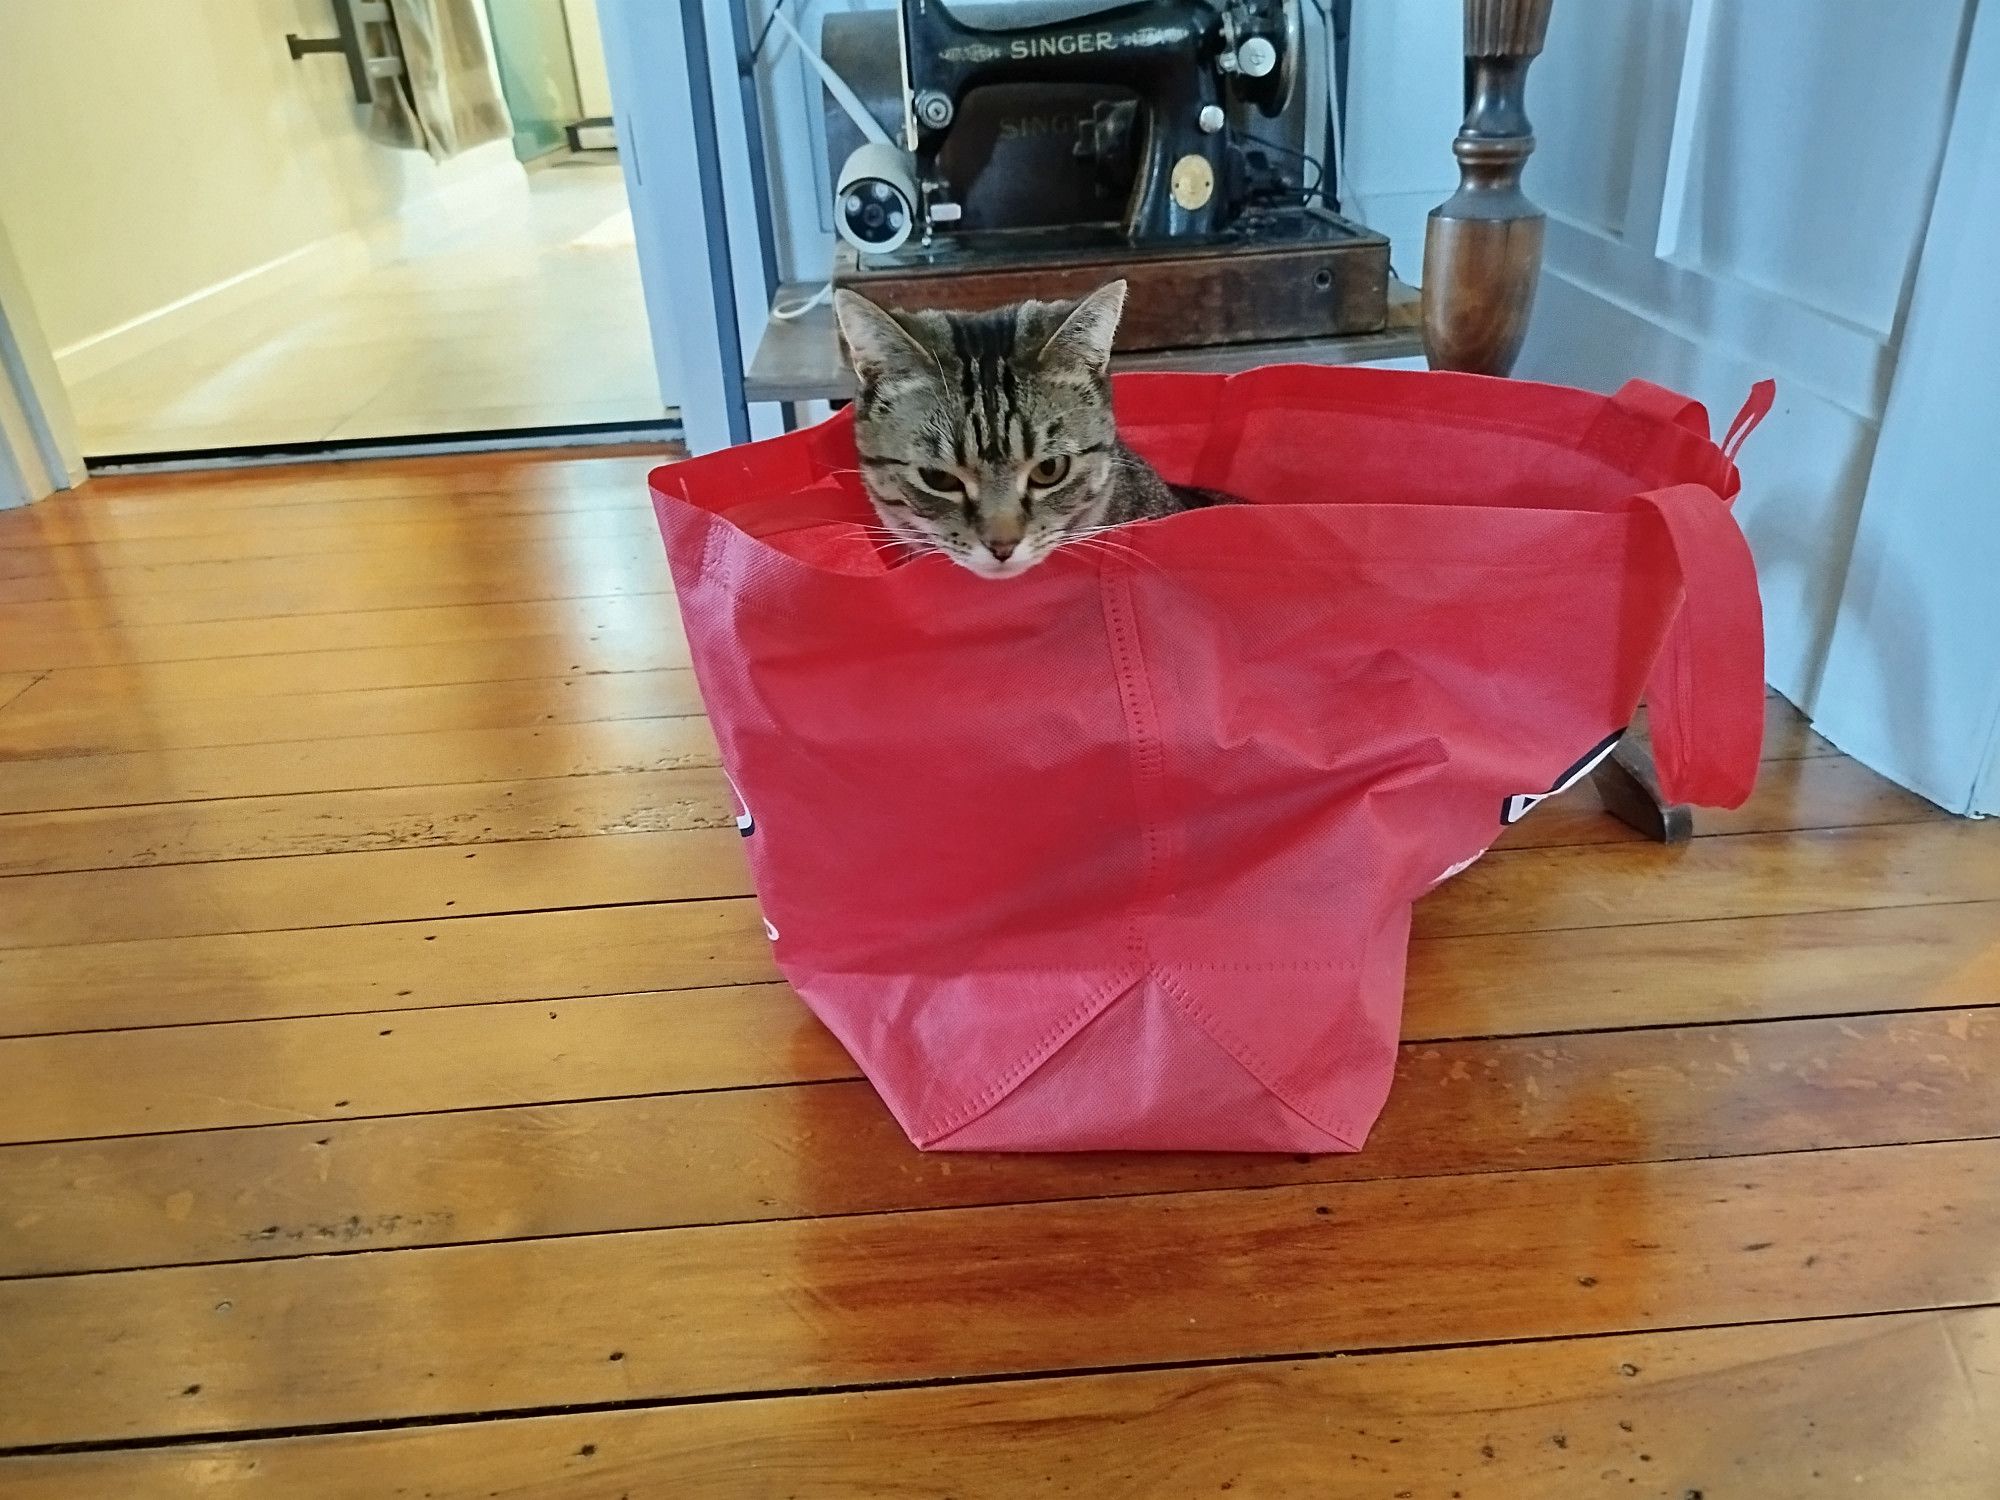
[989, 436]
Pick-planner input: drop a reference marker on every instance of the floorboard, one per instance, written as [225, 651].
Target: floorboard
[437, 757]
[1893, 1405]
[102, 640]
[377, 818]
[1792, 795]
[1510, 891]
[983, 1292]
[401, 1097]
[478, 1135]
[50, 727]
[342, 667]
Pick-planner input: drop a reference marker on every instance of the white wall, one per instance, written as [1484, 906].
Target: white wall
[586, 43]
[1912, 684]
[1738, 188]
[1405, 102]
[155, 153]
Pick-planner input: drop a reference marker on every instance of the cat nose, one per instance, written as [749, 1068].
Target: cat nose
[1002, 550]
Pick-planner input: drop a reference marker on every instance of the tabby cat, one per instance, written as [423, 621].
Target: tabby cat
[989, 436]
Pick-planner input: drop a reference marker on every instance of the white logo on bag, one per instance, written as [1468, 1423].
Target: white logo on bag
[1460, 868]
[745, 823]
[1518, 807]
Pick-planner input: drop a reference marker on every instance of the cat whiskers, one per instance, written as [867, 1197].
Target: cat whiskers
[880, 534]
[1108, 549]
[1095, 540]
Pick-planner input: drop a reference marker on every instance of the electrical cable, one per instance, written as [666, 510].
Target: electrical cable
[870, 128]
[785, 313]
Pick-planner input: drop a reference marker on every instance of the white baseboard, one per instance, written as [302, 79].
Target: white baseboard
[338, 256]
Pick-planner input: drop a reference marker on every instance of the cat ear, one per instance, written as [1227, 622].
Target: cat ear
[1086, 334]
[875, 343]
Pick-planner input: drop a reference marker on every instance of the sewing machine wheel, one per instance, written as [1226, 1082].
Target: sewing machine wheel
[1285, 27]
[1292, 51]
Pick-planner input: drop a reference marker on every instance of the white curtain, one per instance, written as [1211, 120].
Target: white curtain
[447, 99]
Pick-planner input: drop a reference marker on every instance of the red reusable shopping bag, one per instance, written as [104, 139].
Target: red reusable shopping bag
[1120, 852]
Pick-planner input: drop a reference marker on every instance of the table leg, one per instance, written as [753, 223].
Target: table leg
[1482, 258]
[1483, 245]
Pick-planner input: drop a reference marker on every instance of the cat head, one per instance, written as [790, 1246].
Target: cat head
[986, 436]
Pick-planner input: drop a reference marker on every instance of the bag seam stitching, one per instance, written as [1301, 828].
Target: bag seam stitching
[1042, 1049]
[1243, 1055]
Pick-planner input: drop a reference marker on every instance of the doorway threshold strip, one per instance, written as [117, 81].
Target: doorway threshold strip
[484, 440]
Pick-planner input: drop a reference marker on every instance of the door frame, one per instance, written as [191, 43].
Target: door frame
[39, 449]
[690, 174]
[1912, 680]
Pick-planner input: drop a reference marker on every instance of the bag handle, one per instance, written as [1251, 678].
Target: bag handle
[1656, 403]
[1705, 698]
[1756, 406]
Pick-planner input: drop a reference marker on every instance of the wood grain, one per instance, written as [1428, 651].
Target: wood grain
[1814, 963]
[1813, 793]
[633, 569]
[426, 758]
[1519, 890]
[582, 620]
[981, 1292]
[240, 828]
[346, 1067]
[1309, 275]
[252, 519]
[68, 553]
[1745, 875]
[340, 668]
[14, 684]
[520, 471]
[397, 965]
[499, 1167]
[339, 1096]
[56, 723]
[365, 578]
[390, 885]
[57, 718]
[1893, 1405]
[1792, 794]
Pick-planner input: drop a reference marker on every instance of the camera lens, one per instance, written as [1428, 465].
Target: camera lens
[874, 211]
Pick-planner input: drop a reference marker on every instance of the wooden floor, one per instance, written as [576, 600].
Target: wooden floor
[398, 1100]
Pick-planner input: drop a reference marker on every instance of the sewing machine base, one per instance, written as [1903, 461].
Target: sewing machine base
[1284, 273]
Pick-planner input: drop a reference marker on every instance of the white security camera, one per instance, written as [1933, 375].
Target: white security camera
[876, 206]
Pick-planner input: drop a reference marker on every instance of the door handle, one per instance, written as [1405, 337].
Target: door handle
[350, 19]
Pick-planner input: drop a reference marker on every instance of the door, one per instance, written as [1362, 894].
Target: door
[1739, 189]
[531, 47]
[39, 452]
[264, 264]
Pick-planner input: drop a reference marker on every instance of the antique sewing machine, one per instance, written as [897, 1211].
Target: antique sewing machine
[1041, 156]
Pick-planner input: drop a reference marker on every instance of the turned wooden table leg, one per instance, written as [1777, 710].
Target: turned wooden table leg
[1482, 258]
[1483, 245]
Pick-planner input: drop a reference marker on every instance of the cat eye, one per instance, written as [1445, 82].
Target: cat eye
[1052, 470]
[941, 481]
